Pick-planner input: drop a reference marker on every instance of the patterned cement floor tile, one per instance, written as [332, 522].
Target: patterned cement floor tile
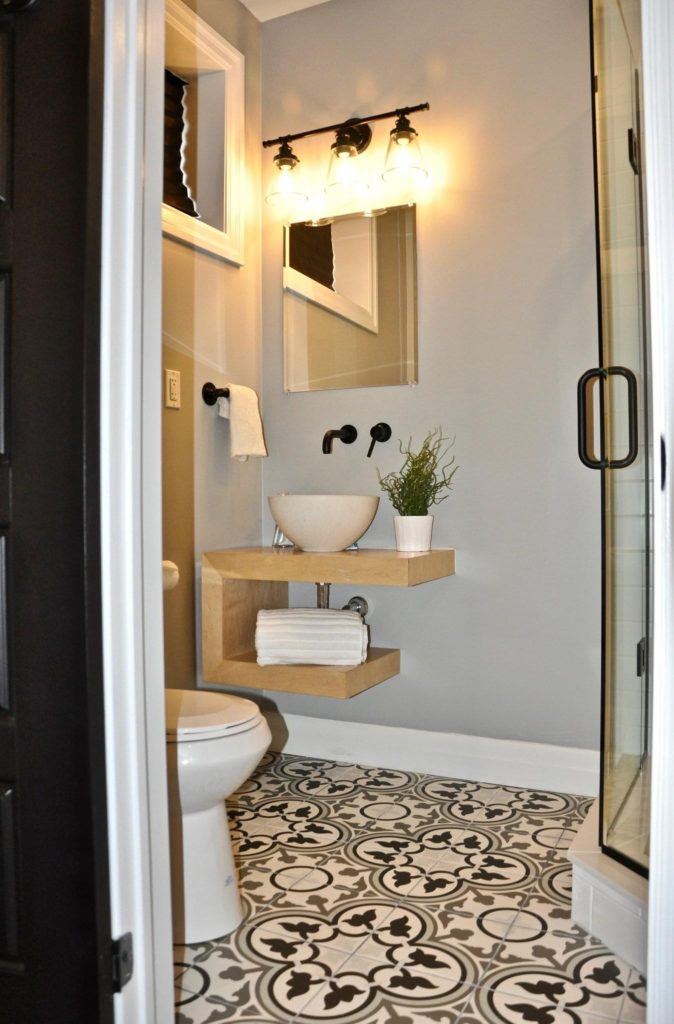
[376, 896]
[379, 780]
[293, 824]
[364, 809]
[489, 1006]
[361, 986]
[411, 938]
[265, 882]
[552, 913]
[542, 838]
[393, 1013]
[552, 969]
[215, 982]
[634, 1007]
[538, 803]
[453, 918]
[334, 881]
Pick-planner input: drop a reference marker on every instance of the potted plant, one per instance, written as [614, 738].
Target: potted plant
[420, 483]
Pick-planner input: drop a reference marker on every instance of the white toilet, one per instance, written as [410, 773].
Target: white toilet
[214, 742]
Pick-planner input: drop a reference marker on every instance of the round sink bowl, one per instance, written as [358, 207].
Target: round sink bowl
[323, 522]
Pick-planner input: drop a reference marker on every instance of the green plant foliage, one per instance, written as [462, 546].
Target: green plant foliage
[423, 477]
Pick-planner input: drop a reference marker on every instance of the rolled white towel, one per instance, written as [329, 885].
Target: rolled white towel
[310, 636]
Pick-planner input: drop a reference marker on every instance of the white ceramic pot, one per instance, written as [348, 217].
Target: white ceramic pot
[413, 533]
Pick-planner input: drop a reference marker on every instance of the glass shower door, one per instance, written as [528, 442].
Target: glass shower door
[621, 390]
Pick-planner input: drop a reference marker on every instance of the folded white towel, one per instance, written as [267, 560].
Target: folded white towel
[242, 409]
[310, 636]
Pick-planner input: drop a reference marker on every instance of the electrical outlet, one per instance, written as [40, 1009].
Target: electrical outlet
[172, 389]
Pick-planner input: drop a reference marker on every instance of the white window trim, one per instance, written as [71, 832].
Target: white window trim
[228, 243]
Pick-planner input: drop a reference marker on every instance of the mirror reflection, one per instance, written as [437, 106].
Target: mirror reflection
[350, 301]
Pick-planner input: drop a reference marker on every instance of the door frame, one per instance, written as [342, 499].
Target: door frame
[658, 84]
[130, 415]
[131, 498]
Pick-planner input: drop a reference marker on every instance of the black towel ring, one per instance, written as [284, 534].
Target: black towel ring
[210, 393]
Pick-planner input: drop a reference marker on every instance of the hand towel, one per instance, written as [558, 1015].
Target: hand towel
[310, 636]
[242, 409]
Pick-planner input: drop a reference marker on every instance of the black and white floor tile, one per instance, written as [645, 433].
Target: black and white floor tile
[384, 897]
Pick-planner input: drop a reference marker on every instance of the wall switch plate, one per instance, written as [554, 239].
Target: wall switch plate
[172, 389]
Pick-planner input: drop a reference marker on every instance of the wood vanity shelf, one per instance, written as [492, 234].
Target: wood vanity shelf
[237, 582]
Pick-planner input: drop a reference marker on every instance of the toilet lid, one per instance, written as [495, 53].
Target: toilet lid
[201, 714]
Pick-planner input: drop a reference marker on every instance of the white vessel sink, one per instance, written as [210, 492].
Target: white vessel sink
[323, 522]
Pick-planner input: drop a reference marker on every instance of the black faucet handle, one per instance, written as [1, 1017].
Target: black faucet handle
[379, 432]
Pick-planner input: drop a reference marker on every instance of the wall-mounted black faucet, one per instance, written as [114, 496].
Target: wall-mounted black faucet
[379, 432]
[347, 434]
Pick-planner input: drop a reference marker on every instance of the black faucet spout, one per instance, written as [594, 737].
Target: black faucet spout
[346, 434]
[328, 438]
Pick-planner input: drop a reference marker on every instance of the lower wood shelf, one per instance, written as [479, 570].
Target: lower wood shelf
[316, 680]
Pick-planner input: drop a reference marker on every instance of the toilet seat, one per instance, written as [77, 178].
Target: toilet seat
[204, 715]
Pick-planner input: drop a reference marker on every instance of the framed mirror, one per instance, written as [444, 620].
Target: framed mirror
[203, 136]
[350, 301]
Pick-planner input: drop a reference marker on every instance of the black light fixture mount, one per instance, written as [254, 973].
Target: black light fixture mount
[355, 132]
[403, 131]
[285, 156]
[352, 138]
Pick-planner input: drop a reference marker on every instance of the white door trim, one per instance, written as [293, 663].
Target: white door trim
[658, 80]
[131, 503]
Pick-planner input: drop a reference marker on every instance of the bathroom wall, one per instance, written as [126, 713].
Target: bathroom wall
[510, 646]
[211, 327]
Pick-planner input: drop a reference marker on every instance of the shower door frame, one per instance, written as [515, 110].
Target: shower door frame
[609, 850]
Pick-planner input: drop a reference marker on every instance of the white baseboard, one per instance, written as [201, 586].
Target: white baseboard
[453, 755]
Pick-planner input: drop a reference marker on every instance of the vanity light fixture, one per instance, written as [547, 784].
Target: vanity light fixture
[346, 177]
[285, 189]
[404, 162]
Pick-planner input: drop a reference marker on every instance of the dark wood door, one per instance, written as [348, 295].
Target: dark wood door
[55, 943]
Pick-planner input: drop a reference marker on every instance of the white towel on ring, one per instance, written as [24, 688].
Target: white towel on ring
[310, 636]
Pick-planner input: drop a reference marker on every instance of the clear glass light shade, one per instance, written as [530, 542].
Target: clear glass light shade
[345, 176]
[286, 190]
[317, 211]
[404, 162]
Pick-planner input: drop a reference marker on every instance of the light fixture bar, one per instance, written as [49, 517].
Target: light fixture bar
[400, 111]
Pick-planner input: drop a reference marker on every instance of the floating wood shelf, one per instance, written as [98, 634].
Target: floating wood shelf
[379, 566]
[238, 582]
[317, 680]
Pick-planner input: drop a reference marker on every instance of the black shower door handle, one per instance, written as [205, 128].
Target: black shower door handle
[584, 455]
[601, 374]
[632, 419]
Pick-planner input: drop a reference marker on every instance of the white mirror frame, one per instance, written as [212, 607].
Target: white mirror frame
[215, 52]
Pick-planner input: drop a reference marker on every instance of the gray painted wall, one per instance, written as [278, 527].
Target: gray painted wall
[211, 329]
[507, 322]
